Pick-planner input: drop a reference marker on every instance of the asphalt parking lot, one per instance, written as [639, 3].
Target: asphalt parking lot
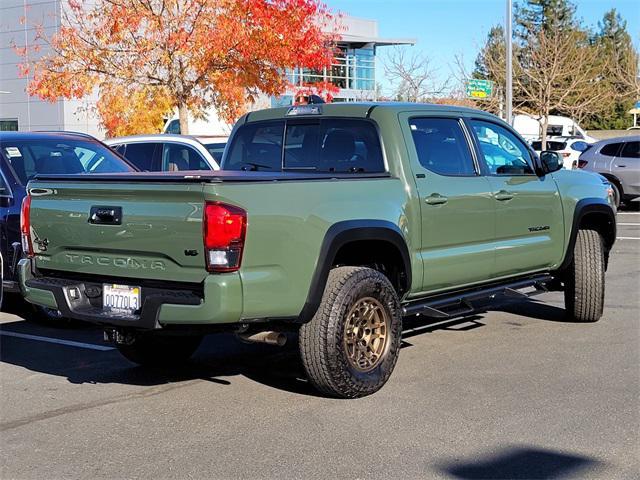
[513, 392]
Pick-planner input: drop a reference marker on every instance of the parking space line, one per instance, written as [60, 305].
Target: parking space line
[628, 238]
[69, 343]
[628, 213]
[629, 224]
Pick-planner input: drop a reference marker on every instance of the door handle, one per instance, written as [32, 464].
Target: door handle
[503, 195]
[620, 166]
[436, 199]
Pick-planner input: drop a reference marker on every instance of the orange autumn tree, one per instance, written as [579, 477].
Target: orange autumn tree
[124, 112]
[202, 53]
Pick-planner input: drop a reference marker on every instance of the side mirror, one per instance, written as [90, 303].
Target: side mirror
[551, 161]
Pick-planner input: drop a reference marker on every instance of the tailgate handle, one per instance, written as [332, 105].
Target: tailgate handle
[100, 215]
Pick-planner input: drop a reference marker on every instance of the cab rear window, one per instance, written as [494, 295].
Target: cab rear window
[327, 145]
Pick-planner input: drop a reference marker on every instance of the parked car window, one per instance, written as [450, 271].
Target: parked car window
[141, 155]
[121, 149]
[28, 158]
[177, 157]
[256, 146]
[301, 145]
[5, 191]
[441, 146]
[631, 150]
[503, 152]
[610, 150]
[216, 150]
[346, 146]
[173, 127]
[333, 145]
[551, 145]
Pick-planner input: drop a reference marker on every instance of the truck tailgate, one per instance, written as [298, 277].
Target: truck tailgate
[156, 232]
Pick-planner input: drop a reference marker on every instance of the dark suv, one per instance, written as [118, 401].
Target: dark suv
[23, 155]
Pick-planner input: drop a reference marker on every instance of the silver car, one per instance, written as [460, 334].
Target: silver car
[166, 152]
[617, 159]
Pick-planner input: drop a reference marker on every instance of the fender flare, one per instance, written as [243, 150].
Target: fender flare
[584, 207]
[340, 234]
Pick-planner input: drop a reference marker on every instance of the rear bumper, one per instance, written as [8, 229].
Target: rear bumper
[217, 301]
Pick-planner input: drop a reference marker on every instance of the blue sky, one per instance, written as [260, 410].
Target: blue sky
[445, 28]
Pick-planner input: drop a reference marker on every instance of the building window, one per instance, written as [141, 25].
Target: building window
[352, 68]
[9, 125]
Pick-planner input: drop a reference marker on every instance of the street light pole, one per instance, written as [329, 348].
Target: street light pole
[508, 41]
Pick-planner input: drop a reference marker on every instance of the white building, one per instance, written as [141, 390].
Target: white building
[353, 71]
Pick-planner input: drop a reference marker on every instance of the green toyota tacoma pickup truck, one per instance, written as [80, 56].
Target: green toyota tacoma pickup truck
[332, 221]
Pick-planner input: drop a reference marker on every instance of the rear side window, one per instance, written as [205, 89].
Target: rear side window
[328, 145]
[610, 150]
[141, 155]
[631, 150]
[441, 146]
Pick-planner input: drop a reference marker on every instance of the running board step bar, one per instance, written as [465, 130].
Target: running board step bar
[459, 303]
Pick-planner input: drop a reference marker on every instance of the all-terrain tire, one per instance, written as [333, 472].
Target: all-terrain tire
[322, 340]
[584, 282]
[152, 350]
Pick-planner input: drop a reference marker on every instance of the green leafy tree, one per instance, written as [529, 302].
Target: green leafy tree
[548, 16]
[620, 71]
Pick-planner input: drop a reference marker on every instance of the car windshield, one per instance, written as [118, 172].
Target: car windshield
[216, 150]
[28, 158]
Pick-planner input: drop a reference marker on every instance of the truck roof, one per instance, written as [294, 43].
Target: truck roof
[356, 109]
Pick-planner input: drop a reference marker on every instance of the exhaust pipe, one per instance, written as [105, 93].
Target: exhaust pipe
[270, 338]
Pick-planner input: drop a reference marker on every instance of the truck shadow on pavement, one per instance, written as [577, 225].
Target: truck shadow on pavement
[521, 463]
[219, 358]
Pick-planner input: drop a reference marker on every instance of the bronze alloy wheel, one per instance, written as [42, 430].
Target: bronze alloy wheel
[366, 334]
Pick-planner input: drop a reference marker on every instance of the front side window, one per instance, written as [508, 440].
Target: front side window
[441, 146]
[177, 157]
[610, 150]
[631, 150]
[27, 158]
[502, 151]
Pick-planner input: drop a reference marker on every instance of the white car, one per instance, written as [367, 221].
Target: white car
[570, 149]
[170, 153]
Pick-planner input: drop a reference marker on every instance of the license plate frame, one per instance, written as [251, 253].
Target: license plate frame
[121, 299]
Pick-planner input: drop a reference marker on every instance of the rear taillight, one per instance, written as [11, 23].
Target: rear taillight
[25, 226]
[582, 163]
[224, 230]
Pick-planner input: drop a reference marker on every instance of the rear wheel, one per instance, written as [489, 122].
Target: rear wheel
[351, 345]
[584, 282]
[152, 350]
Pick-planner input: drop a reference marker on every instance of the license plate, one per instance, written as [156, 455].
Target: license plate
[120, 298]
